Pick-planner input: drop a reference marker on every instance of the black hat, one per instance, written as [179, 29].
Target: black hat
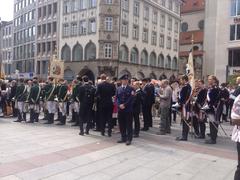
[124, 77]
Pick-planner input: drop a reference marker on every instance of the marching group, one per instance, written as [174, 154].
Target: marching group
[100, 106]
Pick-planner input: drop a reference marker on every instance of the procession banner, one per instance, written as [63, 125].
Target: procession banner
[56, 69]
[190, 70]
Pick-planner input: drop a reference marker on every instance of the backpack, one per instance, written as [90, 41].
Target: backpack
[89, 94]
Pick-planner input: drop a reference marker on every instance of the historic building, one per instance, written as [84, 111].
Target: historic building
[192, 35]
[6, 50]
[135, 37]
[47, 34]
[24, 36]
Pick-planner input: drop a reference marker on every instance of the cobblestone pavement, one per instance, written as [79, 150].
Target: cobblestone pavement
[37, 151]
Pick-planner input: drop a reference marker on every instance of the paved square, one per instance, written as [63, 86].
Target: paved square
[38, 151]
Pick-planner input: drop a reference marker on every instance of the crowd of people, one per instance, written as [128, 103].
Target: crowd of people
[103, 104]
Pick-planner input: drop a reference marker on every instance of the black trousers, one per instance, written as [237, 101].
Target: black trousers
[237, 172]
[106, 118]
[199, 126]
[213, 130]
[136, 123]
[147, 116]
[185, 128]
[125, 120]
[85, 116]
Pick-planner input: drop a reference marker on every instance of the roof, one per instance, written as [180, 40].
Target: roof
[192, 5]
[186, 37]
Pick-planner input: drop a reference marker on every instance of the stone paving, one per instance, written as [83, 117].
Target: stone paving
[37, 151]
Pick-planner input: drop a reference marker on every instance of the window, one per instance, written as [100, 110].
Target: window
[136, 7]
[235, 7]
[184, 27]
[233, 57]
[108, 23]
[169, 23]
[108, 1]
[92, 3]
[83, 27]
[108, 51]
[134, 55]
[145, 35]
[163, 2]
[162, 20]
[74, 29]
[125, 4]
[49, 10]
[169, 42]
[176, 27]
[170, 5]
[234, 32]
[83, 4]
[155, 17]
[201, 24]
[154, 38]
[92, 26]
[175, 45]
[146, 13]
[125, 28]
[74, 5]
[66, 30]
[66, 7]
[49, 29]
[55, 8]
[135, 32]
[161, 41]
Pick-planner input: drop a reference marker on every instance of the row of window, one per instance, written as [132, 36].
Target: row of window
[81, 28]
[7, 31]
[47, 29]
[136, 6]
[25, 35]
[25, 66]
[146, 59]
[6, 55]
[29, 16]
[46, 47]
[76, 5]
[47, 11]
[6, 43]
[24, 52]
[22, 4]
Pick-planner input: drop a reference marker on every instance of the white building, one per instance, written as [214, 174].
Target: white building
[222, 38]
[135, 37]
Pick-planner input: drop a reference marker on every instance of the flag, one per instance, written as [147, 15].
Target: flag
[190, 70]
[56, 68]
[2, 71]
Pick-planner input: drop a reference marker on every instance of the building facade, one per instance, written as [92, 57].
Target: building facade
[221, 40]
[135, 37]
[24, 36]
[6, 50]
[192, 35]
[47, 35]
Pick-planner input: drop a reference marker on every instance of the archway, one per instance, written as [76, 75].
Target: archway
[77, 53]
[123, 53]
[125, 72]
[90, 51]
[152, 76]
[69, 75]
[66, 53]
[140, 75]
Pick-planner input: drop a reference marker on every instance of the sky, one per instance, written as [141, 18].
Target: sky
[6, 10]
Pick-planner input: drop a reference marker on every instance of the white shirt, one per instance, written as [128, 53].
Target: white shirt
[235, 114]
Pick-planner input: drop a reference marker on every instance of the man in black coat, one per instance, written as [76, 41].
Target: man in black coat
[86, 98]
[105, 93]
[148, 101]
[12, 95]
[184, 101]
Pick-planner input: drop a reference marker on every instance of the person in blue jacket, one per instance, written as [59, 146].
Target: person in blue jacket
[125, 95]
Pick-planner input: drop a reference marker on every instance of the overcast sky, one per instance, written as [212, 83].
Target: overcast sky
[6, 10]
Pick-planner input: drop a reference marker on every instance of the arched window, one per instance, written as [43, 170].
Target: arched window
[123, 53]
[161, 61]
[77, 53]
[144, 57]
[134, 55]
[174, 63]
[153, 59]
[90, 51]
[169, 62]
[66, 53]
